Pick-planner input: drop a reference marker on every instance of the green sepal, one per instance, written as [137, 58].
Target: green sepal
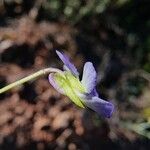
[74, 82]
[70, 85]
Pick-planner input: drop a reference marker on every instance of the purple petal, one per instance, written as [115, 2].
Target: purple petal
[67, 64]
[54, 84]
[100, 106]
[94, 93]
[89, 77]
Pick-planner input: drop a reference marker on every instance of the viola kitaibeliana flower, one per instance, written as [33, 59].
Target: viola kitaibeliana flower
[83, 93]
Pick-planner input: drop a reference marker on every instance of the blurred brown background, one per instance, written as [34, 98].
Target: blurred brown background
[113, 34]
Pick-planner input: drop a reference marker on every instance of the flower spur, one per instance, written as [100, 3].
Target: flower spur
[83, 93]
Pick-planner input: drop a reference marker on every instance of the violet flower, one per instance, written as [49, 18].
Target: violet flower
[83, 93]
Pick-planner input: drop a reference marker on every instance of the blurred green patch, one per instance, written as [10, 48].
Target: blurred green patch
[146, 113]
[75, 10]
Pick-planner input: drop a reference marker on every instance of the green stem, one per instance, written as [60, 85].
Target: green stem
[29, 78]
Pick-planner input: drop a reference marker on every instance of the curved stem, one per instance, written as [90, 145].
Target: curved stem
[30, 77]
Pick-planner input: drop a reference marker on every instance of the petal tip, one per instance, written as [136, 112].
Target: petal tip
[58, 52]
[60, 55]
[102, 107]
[110, 110]
[68, 65]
